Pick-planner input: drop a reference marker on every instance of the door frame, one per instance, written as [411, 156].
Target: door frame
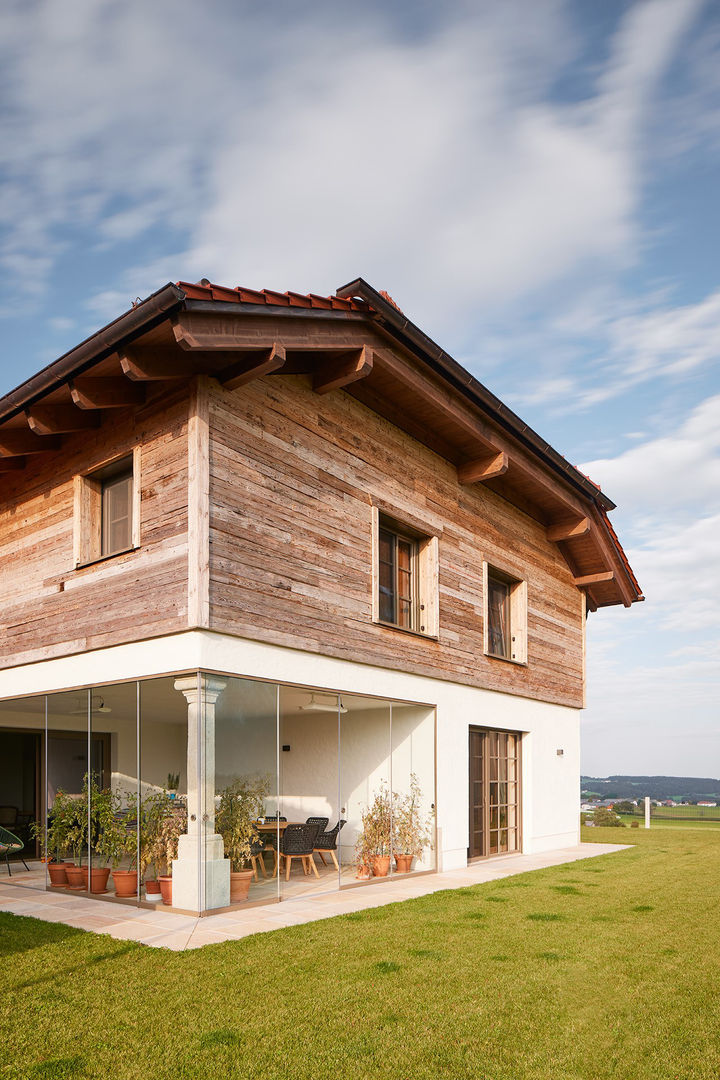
[476, 729]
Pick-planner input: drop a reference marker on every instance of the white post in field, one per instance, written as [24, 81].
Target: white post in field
[647, 811]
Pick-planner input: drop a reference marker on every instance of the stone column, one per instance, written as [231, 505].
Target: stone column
[201, 844]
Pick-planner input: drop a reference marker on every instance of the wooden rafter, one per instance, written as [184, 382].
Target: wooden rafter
[12, 464]
[152, 365]
[347, 369]
[484, 468]
[594, 579]
[112, 392]
[252, 364]
[568, 529]
[17, 443]
[59, 419]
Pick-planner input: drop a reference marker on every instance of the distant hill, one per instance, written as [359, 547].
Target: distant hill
[657, 787]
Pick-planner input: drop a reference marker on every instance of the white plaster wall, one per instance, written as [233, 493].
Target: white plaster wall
[550, 783]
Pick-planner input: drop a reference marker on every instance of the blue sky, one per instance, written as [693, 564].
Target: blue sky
[535, 183]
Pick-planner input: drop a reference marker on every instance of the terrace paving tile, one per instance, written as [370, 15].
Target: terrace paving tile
[171, 930]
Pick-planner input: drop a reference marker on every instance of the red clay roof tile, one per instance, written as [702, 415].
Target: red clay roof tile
[206, 290]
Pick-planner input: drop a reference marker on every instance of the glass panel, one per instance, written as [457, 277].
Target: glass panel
[22, 802]
[114, 791]
[364, 844]
[413, 786]
[165, 751]
[67, 787]
[116, 511]
[405, 583]
[309, 796]
[386, 575]
[498, 616]
[241, 829]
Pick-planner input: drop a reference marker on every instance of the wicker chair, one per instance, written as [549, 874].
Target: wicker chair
[256, 858]
[298, 842]
[321, 822]
[9, 843]
[270, 841]
[327, 842]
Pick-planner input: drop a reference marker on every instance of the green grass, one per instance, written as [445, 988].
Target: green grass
[670, 823]
[605, 968]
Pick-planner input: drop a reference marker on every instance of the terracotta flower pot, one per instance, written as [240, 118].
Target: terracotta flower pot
[75, 877]
[58, 875]
[84, 871]
[381, 865]
[240, 885]
[165, 882]
[152, 885]
[125, 882]
[363, 872]
[99, 878]
[403, 863]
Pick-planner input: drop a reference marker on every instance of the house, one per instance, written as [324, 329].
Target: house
[249, 534]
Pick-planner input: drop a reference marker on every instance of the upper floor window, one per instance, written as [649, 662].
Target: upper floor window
[116, 484]
[397, 580]
[406, 576]
[505, 615]
[107, 510]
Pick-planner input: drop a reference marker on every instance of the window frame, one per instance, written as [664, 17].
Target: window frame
[516, 615]
[90, 511]
[424, 572]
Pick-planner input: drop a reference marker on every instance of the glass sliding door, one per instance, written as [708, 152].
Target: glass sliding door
[67, 779]
[114, 790]
[241, 829]
[22, 787]
[413, 786]
[365, 841]
[309, 795]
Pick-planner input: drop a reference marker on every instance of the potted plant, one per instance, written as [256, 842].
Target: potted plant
[54, 841]
[374, 842]
[151, 855]
[241, 804]
[102, 811]
[117, 838]
[172, 784]
[411, 829]
[171, 826]
[75, 814]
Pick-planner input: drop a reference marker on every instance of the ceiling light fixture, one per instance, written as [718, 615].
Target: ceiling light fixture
[324, 706]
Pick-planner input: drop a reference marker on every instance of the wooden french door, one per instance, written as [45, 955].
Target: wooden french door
[494, 793]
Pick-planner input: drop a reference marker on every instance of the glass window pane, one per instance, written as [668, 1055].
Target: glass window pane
[413, 786]
[364, 843]
[22, 768]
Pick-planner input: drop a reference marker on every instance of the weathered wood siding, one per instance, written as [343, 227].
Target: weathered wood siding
[292, 476]
[47, 608]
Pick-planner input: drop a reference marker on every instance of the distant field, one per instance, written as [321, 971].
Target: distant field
[704, 813]
[672, 823]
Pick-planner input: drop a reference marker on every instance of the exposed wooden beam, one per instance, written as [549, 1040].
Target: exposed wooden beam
[594, 579]
[567, 530]
[335, 374]
[112, 392]
[15, 443]
[59, 419]
[12, 464]
[252, 365]
[484, 468]
[150, 365]
[299, 329]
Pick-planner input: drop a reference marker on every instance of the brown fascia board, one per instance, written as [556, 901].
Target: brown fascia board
[138, 320]
[427, 350]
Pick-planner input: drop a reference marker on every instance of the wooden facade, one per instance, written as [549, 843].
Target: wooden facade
[268, 441]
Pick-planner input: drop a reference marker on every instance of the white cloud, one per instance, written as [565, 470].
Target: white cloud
[296, 150]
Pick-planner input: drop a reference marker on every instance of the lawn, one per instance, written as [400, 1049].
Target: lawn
[602, 968]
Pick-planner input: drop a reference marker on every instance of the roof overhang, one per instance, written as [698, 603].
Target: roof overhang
[357, 341]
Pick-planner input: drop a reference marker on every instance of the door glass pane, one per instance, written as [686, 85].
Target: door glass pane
[114, 791]
[22, 769]
[241, 828]
[364, 843]
[309, 796]
[413, 786]
[167, 753]
[67, 787]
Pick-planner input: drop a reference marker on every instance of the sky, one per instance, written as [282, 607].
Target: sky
[534, 182]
